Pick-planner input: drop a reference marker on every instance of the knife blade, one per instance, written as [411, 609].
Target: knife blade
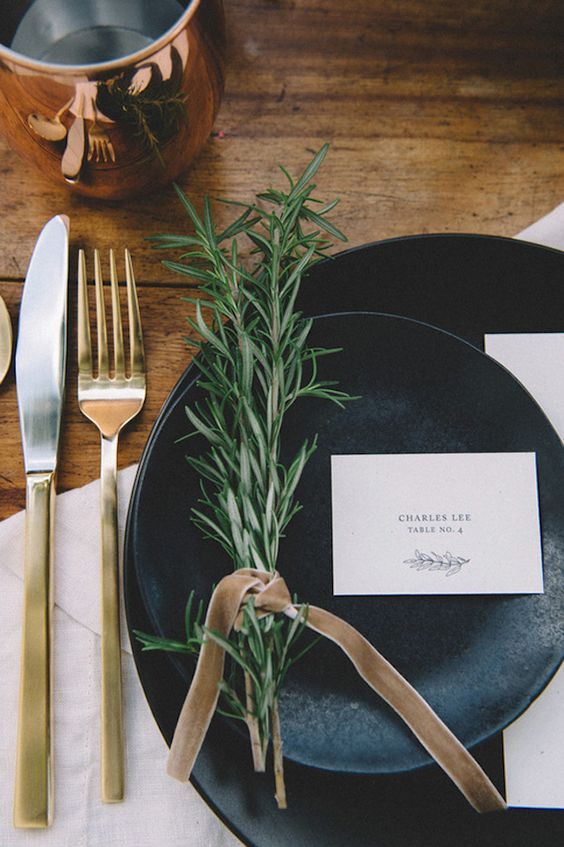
[40, 382]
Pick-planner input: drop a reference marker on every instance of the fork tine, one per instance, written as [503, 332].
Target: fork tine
[103, 361]
[135, 333]
[116, 320]
[84, 343]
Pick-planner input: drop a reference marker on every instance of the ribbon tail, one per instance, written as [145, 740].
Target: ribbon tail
[201, 700]
[428, 728]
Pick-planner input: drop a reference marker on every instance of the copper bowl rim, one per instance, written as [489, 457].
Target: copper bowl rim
[101, 67]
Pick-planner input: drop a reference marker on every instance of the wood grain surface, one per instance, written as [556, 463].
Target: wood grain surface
[442, 115]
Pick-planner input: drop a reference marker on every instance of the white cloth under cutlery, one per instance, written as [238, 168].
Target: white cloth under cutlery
[157, 809]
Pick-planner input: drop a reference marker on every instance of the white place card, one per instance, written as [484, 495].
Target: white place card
[436, 523]
[534, 743]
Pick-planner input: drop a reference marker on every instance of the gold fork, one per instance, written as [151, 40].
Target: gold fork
[100, 147]
[110, 400]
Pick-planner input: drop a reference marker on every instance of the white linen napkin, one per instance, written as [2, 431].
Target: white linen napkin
[548, 230]
[534, 744]
[157, 809]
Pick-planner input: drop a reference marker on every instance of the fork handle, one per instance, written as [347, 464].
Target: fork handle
[33, 796]
[111, 717]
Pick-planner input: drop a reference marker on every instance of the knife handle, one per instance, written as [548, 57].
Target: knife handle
[33, 798]
[73, 157]
[111, 712]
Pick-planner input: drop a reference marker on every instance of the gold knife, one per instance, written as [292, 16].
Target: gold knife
[40, 382]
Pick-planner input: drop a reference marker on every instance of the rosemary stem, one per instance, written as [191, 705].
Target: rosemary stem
[278, 758]
[257, 749]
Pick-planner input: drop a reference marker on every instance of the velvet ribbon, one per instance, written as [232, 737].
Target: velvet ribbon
[271, 596]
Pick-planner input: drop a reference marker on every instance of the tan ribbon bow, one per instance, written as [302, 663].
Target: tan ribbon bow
[271, 596]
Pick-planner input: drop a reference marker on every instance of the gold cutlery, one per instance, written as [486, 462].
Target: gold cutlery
[100, 147]
[73, 157]
[40, 382]
[110, 400]
[5, 340]
[51, 129]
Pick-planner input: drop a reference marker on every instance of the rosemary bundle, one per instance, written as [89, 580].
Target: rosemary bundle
[255, 363]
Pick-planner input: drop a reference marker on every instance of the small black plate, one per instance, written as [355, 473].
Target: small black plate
[477, 660]
[445, 648]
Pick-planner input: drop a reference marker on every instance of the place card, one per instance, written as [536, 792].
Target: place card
[436, 523]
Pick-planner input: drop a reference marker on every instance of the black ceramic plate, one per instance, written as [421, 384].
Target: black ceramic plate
[477, 660]
[165, 558]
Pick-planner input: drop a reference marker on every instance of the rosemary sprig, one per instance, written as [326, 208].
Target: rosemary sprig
[255, 363]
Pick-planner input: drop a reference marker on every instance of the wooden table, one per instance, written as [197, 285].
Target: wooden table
[443, 115]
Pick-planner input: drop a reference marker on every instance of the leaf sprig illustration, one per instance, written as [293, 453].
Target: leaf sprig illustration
[434, 562]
